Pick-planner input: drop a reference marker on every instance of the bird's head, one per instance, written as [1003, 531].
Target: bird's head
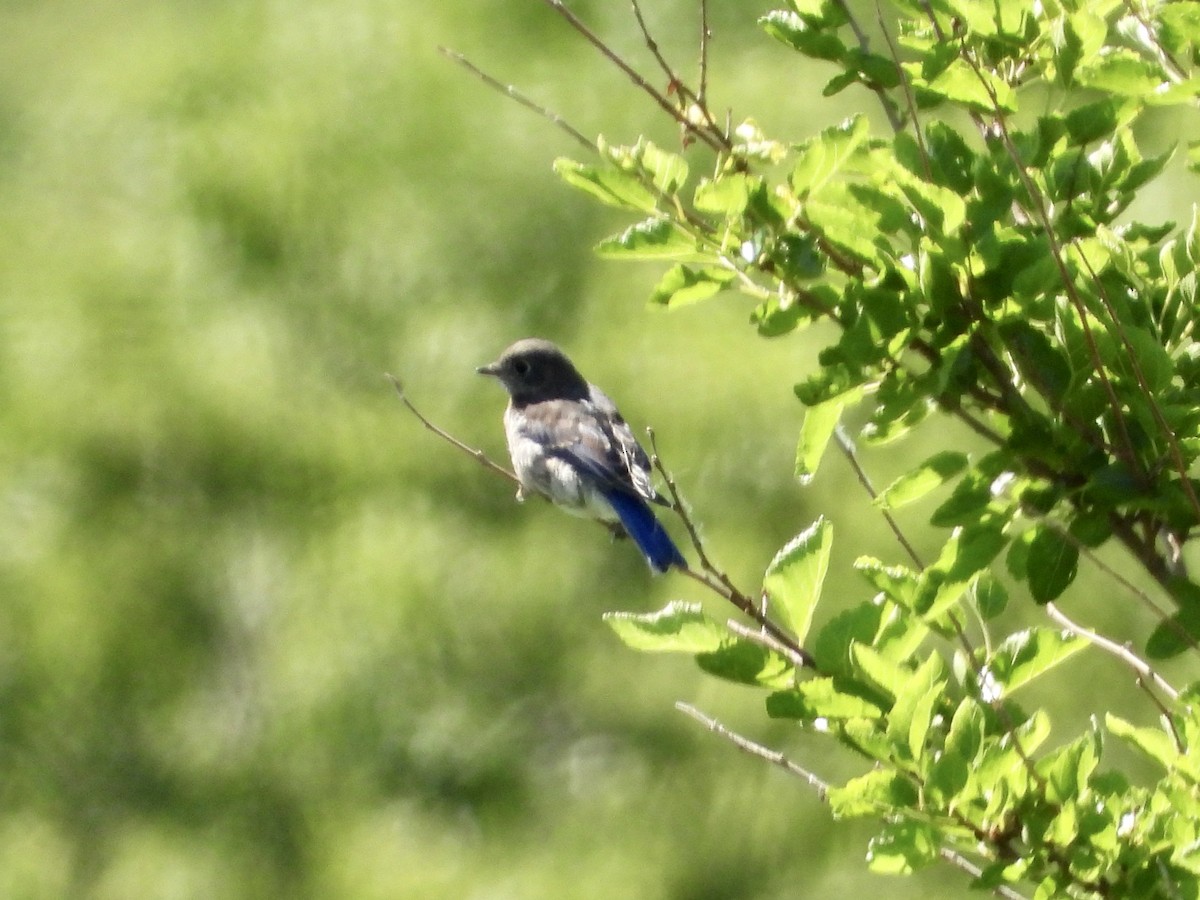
[533, 370]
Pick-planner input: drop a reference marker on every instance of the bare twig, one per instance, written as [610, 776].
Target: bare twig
[715, 141]
[478, 455]
[512, 92]
[756, 749]
[848, 450]
[1120, 651]
[705, 35]
[1145, 674]
[765, 639]
[693, 101]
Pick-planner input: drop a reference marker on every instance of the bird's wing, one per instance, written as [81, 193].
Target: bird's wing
[589, 438]
[632, 458]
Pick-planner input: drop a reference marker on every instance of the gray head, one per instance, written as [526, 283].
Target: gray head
[533, 370]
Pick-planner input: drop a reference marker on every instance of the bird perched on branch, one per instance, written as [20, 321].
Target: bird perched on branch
[569, 444]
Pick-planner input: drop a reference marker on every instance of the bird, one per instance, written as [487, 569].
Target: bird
[569, 443]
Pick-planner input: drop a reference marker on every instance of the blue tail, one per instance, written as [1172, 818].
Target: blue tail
[652, 539]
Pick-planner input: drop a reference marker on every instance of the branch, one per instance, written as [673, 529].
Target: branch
[764, 639]
[510, 91]
[478, 455]
[746, 745]
[615, 58]
[714, 578]
[756, 749]
[1142, 668]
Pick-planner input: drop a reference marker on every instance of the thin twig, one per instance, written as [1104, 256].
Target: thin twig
[512, 92]
[717, 143]
[752, 747]
[1141, 668]
[705, 34]
[909, 101]
[478, 455]
[848, 450]
[712, 577]
[690, 99]
[769, 641]
[756, 749]
[1120, 651]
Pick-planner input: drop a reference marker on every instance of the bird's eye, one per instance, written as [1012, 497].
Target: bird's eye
[521, 367]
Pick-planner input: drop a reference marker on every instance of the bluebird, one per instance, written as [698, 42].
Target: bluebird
[569, 444]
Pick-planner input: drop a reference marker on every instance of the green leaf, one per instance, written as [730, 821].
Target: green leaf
[794, 578]
[898, 583]
[909, 720]
[876, 793]
[881, 672]
[979, 90]
[844, 222]
[607, 184]
[1027, 654]
[1154, 362]
[727, 195]
[820, 698]
[653, 238]
[797, 33]
[1092, 121]
[666, 171]
[1155, 743]
[678, 627]
[970, 549]
[683, 285]
[1067, 769]
[933, 472]
[815, 432]
[1121, 71]
[832, 647]
[967, 729]
[991, 597]
[744, 662]
[823, 157]
[902, 847]
[1175, 635]
[966, 502]
[1051, 564]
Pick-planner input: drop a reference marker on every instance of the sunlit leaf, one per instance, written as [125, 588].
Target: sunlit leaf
[874, 794]
[1025, 655]
[607, 184]
[684, 285]
[795, 576]
[678, 627]
[933, 472]
[908, 723]
[745, 662]
[822, 158]
[655, 238]
[815, 432]
[902, 847]
[820, 698]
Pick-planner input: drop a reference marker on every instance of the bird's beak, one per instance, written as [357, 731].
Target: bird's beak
[490, 369]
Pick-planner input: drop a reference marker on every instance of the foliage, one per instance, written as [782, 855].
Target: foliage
[978, 263]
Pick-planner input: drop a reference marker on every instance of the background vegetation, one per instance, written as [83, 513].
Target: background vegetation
[261, 635]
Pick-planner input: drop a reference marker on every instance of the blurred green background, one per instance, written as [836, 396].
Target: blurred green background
[261, 635]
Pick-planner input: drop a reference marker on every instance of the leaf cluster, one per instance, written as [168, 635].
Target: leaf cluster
[979, 262]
